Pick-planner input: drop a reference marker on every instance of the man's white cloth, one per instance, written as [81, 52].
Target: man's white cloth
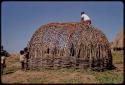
[2, 59]
[85, 17]
[22, 58]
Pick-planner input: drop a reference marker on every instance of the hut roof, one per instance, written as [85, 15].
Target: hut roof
[118, 40]
[53, 31]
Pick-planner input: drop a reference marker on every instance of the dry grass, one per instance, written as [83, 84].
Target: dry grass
[13, 74]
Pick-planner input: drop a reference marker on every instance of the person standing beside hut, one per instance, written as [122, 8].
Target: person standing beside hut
[26, 54]
[3, 59]
[22, 59]
[4, 54]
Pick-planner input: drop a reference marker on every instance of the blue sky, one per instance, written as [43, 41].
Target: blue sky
[21, 19]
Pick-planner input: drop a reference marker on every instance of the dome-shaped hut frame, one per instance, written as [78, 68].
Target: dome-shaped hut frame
[64, 45]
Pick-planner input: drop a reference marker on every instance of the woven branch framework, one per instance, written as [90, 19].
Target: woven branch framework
[64, 45]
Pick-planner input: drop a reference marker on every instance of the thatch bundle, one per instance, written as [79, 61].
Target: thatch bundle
[60, 45]
[118, 41]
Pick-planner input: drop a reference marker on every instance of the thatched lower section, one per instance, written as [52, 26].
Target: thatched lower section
[65, 45]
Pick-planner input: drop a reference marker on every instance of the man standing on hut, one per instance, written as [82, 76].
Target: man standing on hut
[85, 19]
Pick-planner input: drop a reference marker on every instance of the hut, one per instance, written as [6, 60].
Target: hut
[69, 45]
[117, 44]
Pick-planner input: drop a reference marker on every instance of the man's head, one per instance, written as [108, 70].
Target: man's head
[25, 49]
[21, 52]
[82, 13]
[3, 53]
